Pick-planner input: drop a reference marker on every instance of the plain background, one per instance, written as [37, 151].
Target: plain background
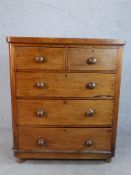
[66, 18]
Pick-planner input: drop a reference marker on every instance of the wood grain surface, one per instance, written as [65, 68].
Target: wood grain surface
[106, 59]
[25, 58]
[64, 85]
[26, 40]
[65, 139]
[65, 112]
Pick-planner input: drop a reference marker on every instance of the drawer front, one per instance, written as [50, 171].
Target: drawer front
[61, 85]
[39, 58]
[92, 59]
[65, 112]
[64, 139]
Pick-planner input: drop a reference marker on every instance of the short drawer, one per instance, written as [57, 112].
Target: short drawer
[39, 58]
[92, 59]
[65, 112]
[65, 139]
[65, 85]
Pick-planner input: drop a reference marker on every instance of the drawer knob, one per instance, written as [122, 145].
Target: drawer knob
[91, 60]
[40, 59]
[88, 143]
[41, 113]
[91, 85]
[41, 142]
[89, 112]
[40, 85]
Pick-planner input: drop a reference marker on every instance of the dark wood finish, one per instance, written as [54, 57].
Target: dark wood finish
[65, 97]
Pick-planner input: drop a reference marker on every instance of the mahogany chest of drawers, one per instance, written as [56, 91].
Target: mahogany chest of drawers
[65, 95]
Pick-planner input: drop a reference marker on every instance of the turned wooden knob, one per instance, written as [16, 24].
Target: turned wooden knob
[41, 113]
[40, 85]
[88, 143]
[91, 85]
[90, 112]
[40, 59]
[41, 142]
[91, 60]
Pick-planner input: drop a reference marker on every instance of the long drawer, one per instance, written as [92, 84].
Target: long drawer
[65, 139]
[64, 85]
[65, 112]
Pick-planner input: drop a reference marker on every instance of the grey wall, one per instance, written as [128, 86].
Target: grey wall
[66, 18]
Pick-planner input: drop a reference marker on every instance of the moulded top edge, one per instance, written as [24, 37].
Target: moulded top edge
[88, 41]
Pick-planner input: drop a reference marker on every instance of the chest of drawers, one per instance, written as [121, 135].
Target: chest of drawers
[65, 95]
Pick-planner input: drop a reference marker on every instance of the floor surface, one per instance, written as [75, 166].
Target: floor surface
[120, 165]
